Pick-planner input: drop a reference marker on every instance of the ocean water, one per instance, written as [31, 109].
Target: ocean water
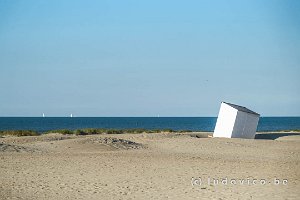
[41, 124]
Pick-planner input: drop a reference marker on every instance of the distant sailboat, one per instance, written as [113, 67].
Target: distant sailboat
[43, 114]
[71, 115]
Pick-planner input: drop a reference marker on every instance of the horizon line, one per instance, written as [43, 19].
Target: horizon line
[135, 116]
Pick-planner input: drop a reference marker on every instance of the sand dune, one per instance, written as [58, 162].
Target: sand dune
[148, 166]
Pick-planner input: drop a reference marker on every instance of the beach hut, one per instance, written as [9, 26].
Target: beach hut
[236, 122]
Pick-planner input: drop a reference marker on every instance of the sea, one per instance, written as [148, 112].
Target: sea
[43, 124]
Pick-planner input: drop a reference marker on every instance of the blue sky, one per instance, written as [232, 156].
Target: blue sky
[144, 58]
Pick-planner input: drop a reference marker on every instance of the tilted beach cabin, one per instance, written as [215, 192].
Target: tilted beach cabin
[236, 122]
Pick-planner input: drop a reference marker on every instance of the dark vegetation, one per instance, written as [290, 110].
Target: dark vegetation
[19, 133]
[88, 131]
[93, 131]
[293, 130]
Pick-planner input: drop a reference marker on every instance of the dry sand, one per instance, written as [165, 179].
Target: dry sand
[147, 166]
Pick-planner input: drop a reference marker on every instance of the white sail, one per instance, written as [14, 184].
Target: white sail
[43, 114]
[71, 115]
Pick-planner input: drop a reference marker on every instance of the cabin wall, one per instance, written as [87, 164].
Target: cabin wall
[245, 125]
[225, 121]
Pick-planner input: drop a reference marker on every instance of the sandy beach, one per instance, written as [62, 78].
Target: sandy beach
[149, 166]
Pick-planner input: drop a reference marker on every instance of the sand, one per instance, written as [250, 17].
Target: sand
[148, 166]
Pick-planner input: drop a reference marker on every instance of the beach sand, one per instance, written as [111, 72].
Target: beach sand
[148, 166]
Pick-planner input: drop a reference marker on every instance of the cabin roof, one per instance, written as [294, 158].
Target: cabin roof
[241, 108]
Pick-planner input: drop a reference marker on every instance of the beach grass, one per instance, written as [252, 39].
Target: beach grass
[61, 131]
[93, 131]
[88, 131]
[19, 133]
[292, 130]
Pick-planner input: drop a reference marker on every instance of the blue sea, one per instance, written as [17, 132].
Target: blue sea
[41, 124]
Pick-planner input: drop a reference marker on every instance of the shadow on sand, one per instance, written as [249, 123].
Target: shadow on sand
[273, 136]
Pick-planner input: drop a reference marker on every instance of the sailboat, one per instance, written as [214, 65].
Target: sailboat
[43, 114]
[71, 115]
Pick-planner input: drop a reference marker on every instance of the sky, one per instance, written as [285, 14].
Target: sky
[148, 58]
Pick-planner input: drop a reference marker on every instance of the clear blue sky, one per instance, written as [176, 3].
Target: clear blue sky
[144, 58]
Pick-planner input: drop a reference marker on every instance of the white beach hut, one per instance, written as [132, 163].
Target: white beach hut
[236, 122]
